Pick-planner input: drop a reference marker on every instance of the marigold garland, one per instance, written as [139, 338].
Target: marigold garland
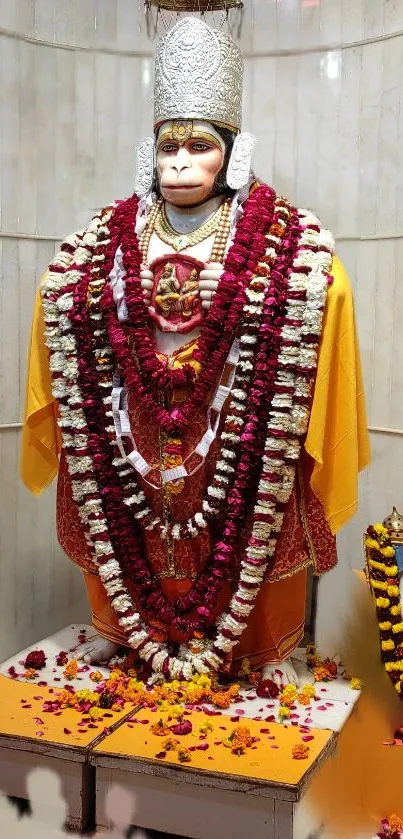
[382, 574]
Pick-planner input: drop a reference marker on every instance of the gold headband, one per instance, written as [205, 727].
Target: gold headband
[183, 130]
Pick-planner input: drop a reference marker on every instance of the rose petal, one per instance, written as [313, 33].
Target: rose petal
[210, 712]
[203, 747]
[234, 719]
[38, 721]
[66, 731]
[307, 737]
[182, 727]
[321, 707]
[39, 734]
[160, 755]
[265, 730]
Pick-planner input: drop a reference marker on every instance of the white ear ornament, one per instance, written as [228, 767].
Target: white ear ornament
[145, 167]
[240, 161]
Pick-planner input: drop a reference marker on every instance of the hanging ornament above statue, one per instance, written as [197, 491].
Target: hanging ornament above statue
[194, 5]
[155, 10]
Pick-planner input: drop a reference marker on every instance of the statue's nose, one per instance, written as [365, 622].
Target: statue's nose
[182, 161]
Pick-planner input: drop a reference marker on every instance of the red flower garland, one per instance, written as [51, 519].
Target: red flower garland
[67, 368]
[219, 327]
[252, 439]
[207, 587]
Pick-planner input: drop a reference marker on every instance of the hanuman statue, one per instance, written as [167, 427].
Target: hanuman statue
[195, 382]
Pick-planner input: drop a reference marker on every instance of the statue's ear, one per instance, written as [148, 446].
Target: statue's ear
[145, 165]
[239, 165]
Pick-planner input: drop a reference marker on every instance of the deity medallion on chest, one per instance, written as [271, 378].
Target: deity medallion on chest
[175, 303]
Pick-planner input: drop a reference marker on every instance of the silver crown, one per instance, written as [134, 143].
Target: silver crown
[198, 75]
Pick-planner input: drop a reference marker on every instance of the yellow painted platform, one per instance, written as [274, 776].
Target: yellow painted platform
[269, 760]
[19, 721]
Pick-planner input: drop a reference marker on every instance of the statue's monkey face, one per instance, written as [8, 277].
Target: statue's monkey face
[190, 156]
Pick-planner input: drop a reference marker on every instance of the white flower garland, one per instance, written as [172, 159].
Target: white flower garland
[135, 499]
[315, 253]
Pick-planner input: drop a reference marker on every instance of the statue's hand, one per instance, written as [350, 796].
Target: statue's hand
[208, 282]
[146, 282]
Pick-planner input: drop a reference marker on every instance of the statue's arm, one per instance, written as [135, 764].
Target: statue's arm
[40, 445]
[337, 437]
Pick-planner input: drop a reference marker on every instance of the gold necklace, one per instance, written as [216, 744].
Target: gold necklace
[219, 224]
[180, 241]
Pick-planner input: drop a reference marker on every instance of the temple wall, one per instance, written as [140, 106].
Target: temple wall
[323, 92]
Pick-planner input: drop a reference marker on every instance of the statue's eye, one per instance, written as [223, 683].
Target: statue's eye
[168, 148]
[201, 147]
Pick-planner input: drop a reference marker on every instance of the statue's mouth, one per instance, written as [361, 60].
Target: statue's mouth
[182, 186]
